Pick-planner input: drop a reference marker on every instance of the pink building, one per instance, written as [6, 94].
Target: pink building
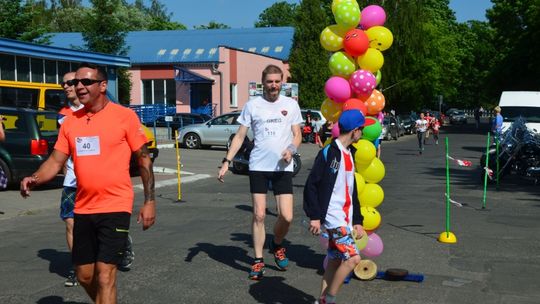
[200, 71]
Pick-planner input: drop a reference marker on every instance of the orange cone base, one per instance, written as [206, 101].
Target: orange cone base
[447, 237]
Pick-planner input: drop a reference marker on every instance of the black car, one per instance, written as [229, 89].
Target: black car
[408, 123]
[30, 138]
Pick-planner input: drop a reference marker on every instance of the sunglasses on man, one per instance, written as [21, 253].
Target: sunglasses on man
[84, 81]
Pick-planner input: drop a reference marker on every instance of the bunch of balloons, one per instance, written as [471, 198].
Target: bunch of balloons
[357, 41]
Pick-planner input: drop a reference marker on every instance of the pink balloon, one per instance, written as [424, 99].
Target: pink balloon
[372, 15]
[325, 262]
[337, 89]
[363, 82]
[335, 130]
[374, 246]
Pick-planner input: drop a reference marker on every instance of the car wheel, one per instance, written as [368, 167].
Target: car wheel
[192, 141]
[7, 172]
[297, 164]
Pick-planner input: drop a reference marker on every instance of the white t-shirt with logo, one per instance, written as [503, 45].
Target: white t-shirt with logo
[271, 123]
[421, 125]
[69, 179]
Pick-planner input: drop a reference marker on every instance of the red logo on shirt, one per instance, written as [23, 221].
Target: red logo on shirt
[284, 112]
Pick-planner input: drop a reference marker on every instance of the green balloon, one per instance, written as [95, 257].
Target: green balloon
[373, 131]
[341, 64]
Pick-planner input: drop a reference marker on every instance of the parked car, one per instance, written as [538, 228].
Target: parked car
[179, 120]
[407, 123]
[458, 117]
[218, 131]
[316, 116]
[30, 138]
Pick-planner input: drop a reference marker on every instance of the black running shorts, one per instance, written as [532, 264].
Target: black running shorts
[100, 237]
[261, 181]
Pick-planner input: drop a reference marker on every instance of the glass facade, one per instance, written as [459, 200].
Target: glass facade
[159, 91]
[22, 68]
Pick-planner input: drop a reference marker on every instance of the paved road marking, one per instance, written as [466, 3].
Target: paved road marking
[174, 181]
[170, 171]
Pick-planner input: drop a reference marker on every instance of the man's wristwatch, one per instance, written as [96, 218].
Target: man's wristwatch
[226, 160]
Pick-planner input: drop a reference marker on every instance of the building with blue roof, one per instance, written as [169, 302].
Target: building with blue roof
[28, 62]
[199, 70]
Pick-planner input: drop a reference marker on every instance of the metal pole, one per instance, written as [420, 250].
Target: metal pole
[447, 190]
[486, 173]
[497, 160]
[178, 165]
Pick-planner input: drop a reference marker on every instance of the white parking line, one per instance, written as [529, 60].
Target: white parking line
[174, 181]
[170, 171]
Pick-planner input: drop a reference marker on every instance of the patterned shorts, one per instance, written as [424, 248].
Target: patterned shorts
[341, 244]
[67, 202]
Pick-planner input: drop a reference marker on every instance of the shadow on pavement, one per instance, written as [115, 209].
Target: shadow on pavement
[273, 290]
[250, 209]
[228, 255]
[56, 300]
[59, 261]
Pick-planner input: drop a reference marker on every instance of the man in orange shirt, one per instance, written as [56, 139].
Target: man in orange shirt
[100, 138]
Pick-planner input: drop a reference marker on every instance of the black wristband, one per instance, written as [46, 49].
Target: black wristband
[226, 160]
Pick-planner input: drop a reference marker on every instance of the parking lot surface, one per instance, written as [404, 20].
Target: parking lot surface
[200, 251]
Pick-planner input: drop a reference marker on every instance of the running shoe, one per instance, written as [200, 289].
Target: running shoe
[71, 279]
[282, 262]
[257, 271]
[129, 255]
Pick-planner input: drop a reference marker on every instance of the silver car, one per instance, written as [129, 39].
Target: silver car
[218, 131]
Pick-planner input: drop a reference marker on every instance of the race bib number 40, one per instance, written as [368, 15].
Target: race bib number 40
[88, 145]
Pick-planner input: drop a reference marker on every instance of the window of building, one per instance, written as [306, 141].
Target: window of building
[23, 68]
[36, 65]
[18, 97]
[54, 100]
[159, 91]
[7, 67]
[63, 68]
[170, 84]
[50, 71]
[234, 95]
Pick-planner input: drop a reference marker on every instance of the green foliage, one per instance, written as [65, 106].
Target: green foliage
[212, 25]
[279, 14]
[308, 60]
[17, 21]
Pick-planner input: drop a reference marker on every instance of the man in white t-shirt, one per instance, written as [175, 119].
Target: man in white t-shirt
[275, 121]
[421, 128]
[67, 201]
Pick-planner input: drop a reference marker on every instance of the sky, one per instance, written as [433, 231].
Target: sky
[244, 13]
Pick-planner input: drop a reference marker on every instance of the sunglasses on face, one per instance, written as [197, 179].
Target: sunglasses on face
[68, 83]
[84, 81]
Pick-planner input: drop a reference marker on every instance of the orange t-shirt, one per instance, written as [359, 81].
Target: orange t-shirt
[101, 145]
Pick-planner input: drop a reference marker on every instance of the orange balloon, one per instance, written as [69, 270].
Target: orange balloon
[355, 103]
[375, 102]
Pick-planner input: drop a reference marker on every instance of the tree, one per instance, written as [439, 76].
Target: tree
[279, 14]
[211, 26]
[17, 21]
[105, 32]
[308, 60]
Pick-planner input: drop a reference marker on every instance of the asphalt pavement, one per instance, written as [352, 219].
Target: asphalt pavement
[200, 250]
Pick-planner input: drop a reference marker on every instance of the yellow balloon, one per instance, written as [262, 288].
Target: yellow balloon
[372, 60]
[360, 183]
[332, 37]
[374, 172]
[380, 37]
[365, 151]
[361, 243]
[372, 196]
[335, 4]
[372, 218]
[331, 109]
[342, 64]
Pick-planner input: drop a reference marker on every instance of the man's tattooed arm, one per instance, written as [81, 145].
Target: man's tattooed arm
[147, 172]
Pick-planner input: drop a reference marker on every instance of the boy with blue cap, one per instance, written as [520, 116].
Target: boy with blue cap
[331, 201]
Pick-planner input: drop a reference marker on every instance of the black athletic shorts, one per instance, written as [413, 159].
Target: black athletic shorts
[100, 237]
[261, 181]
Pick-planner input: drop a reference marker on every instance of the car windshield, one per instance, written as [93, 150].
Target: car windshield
[530, 114]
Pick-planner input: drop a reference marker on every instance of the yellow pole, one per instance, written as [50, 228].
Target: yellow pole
[178, 165]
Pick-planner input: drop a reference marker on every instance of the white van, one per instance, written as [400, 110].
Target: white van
[521, 103]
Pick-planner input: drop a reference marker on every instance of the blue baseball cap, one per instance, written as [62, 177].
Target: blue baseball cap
[353, 119]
